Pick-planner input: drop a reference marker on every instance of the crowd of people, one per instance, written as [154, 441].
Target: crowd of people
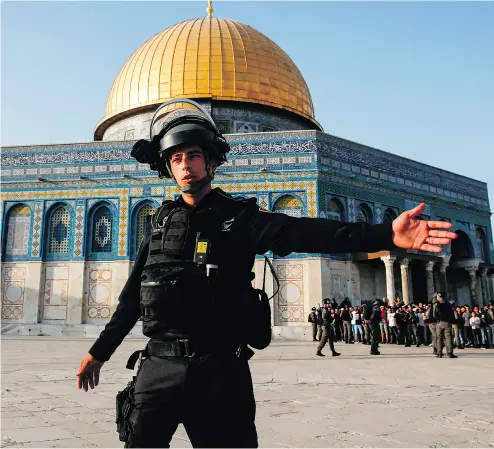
[406, 324]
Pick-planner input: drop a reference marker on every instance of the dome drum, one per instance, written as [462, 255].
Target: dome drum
[230, 117]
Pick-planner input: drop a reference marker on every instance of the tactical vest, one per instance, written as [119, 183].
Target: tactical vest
[172, 288]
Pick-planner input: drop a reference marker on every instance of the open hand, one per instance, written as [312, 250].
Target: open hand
[88, 374]
[412, 233]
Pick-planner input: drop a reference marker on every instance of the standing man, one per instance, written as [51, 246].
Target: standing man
[346, 317]
[313, 321]
[444, 317]
[430, 319]
[374, 322]
[468, 336]
[327, 333]
[201, 250]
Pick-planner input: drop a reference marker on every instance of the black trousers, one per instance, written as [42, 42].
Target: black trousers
[375, 336]
[211, 395]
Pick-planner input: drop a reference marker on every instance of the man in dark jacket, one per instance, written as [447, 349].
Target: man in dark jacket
[201, 250]
[411, 327]
[444, 316]
[313, 321]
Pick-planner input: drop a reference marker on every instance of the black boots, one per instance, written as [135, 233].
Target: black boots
[452, 356]
[336, 354]
[320, 354]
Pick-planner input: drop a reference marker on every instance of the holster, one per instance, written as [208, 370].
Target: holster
[125, 408]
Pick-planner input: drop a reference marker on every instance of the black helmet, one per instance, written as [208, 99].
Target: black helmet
[177, 123]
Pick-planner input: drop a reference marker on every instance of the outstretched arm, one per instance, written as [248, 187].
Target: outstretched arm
[283, 234]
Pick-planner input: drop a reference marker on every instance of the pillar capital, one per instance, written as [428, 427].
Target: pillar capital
[388, 260]
[472, 271]
[483, 272]
[404, 263]
[429, 266]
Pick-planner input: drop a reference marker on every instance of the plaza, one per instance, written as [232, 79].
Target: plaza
[403, 398]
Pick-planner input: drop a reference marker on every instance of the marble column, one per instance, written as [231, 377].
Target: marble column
[429, 272]
[444, 280]
[390, 279]
[472, 272]
[404, 279]
[484, 286]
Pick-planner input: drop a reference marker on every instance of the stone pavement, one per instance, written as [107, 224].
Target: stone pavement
[403, 398]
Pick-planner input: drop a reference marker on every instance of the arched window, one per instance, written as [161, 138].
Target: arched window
[289, 205]
[59, 232]
[18, 231]
[364, 214]
[142, 222]
[483, 244]
[389, 215]
[101, 230]
[335, 211]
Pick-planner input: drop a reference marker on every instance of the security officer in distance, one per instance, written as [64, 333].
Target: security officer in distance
[201, 250]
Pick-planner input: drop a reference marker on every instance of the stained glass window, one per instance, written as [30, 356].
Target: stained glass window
[335, 210]
[143, 219]
[288, 205]
[18, 229]
[59, 238]
[102, 229]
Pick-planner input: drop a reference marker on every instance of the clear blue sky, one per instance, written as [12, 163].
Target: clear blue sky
[415, 79]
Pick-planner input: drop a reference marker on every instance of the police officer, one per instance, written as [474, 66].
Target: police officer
[327, 333]
[444, 316]
[201, 250]
[313, 321]
[374, 325]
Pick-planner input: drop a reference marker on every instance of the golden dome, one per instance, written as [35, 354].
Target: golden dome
[214, 58]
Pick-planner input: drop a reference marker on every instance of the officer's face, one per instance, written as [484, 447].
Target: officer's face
[188, 165]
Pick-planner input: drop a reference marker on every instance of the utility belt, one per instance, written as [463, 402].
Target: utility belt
[186, 349]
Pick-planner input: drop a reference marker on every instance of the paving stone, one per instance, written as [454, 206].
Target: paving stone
[65, 442]
[39, 433]
[22, 423]
[401, 399]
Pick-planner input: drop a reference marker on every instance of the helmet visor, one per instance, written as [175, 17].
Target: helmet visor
[173, 110]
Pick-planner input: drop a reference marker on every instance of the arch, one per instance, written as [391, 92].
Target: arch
[483, 244]
[17, 233]
[58, 236]
[462, 248]
[101, 230]
[335, 210]
[364, 213]
[389, 215]
[289, 205]
[141, 216]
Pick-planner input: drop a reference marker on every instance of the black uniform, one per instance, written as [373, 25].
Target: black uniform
[375, 320]
[327, 334]
[211, 391]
